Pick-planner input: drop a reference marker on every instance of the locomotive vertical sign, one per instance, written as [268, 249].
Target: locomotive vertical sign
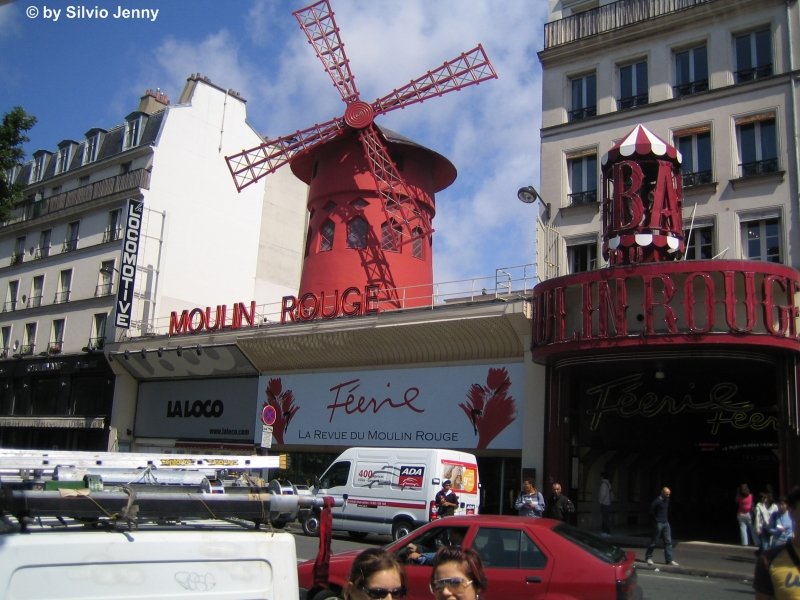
[127, 272]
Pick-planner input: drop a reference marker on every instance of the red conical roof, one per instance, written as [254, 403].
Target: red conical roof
[640, 143]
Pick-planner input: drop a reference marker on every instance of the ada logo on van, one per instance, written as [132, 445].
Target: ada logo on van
[411, 477]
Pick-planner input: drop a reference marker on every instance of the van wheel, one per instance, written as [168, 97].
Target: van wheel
[401, 529]
[357, 535]
[311, 527]
[327, 595]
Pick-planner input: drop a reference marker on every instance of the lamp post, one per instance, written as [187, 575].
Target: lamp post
[529, 195]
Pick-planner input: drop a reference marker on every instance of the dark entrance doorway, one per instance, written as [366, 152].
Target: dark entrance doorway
[698, 423]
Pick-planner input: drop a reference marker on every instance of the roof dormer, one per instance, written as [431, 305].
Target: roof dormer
[91, 147]
[64, 156]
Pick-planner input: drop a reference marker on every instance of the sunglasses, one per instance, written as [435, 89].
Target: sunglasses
[453, 583]
[378, 593]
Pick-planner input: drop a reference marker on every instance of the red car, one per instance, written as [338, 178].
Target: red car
[523, 558]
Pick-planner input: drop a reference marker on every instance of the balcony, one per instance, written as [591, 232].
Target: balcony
[759, 167]
[32, 209]
[754, 73]
[103, 289]
[110, 235]
[17, 258]
[41, 252]
[587, 197]
[55, 347]
[61, 297]
[95, 343]
[27, 349]
[698, 178]
[579, 114]
[35, 301]
[9, 305]
[632, 101]
[687, 89]
[610, 17]
[70, 245]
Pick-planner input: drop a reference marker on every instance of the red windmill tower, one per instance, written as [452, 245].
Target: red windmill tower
[371, 195]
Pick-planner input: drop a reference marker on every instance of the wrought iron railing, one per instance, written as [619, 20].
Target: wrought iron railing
[758, 167]
[697, 178]
[753, 73]
[632, 101]
[34, 208]
[692, 87]
[609, 18]
[586, 197]
[578, 114]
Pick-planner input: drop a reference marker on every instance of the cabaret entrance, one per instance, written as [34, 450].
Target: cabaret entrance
[699, 422]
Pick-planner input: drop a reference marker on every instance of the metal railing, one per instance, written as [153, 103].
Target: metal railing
[754, 73]
[692, 87]
[609, 18]
[758, 167]
[632, 101]
[508, 283]
[33, 208]
[587, 197]
[697, 178]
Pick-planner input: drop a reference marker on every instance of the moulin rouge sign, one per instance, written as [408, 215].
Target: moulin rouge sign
[308, 307]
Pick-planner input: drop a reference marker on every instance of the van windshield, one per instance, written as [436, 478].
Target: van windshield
[336, 475]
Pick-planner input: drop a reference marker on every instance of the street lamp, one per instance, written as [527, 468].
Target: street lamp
[529, 195]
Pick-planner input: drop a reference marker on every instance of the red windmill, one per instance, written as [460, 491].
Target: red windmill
[369, 224]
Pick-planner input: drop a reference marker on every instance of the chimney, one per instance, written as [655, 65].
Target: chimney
[153, 101]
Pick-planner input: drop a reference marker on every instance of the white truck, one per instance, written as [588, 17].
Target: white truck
[59, 540]
[392, 490]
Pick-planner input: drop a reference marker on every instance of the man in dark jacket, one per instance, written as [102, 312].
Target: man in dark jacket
[558, 506]
[446, 500]
[659, 511]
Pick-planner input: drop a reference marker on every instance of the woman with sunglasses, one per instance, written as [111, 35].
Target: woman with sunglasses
[457, 574]
[375, 574]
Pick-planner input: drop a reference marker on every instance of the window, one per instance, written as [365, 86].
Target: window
[132, 127]
[113, 229]
[695, 148]
[97, 341]
[90, 148]
[583, 178]
[336, 475]
[29, 341]
[5, 340]
[63, 157]
[43, 250]
[37, 286]
[508, 548]
[417, 243]
[37, 167]
[326, 236]
[357, 233]
[56, 344]
[105, 279]
[584, 97]
[753, 55]
[758, 147]
[699, 242]
[633, 88]
[64, 285]
[391, 234]
[11, 296]
[582, 257]
[761, 240]
[691, 71]
[19, 251]
[71, 240]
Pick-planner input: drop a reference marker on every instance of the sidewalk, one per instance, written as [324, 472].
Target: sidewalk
[702, 559]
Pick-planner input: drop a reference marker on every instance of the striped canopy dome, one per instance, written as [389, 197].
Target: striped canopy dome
[640, 143]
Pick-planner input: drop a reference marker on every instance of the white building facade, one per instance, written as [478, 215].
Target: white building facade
[116, 230]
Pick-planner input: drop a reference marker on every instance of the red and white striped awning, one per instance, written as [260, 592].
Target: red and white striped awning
[640, 143]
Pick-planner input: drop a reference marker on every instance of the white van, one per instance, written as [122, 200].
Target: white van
[392, 490]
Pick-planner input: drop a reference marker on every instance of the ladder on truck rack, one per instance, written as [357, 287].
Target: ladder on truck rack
[47, 496]
[48, 459]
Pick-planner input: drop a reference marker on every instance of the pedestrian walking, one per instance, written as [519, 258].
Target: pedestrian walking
[530, 502]
[744, 514]
[764, 511]
[605, 496]
[659, 512]
[558, 505]
[777, 573]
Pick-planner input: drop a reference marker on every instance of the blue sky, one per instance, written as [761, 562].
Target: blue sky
[77, 73]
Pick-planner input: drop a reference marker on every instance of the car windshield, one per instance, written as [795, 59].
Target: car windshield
[591, 543]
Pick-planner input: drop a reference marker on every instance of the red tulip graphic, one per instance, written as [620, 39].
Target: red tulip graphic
[489, 408]
[283, 403]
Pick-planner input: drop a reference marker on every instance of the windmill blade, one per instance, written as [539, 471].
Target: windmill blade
[471, 68]
[323, 34]
[398, 199]
[249, 166]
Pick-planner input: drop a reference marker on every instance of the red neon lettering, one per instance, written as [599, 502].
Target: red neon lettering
[665, 212]
[288, 309]
[689, 302]
[627, 204]
[670, 319]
